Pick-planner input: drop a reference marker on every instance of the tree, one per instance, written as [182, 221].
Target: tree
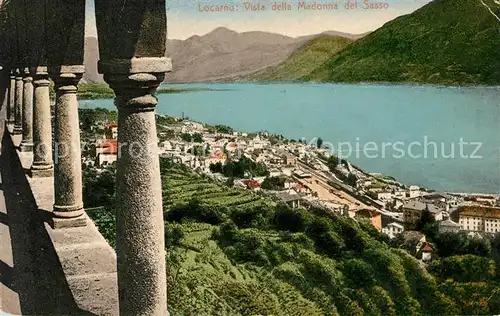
[216, 167]
[196, 150]
[286, 218]
[351, 179]
[230, 182]
[223, 129]
[319, 142]
[451, 244]
[99, 189]
[197, 138]
[332, 162]
[273, 183]
[425, 219]
[186, 137]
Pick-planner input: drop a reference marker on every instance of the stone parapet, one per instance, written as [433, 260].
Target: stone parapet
[87, 260]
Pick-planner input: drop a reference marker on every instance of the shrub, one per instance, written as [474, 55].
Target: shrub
[196, 210]
[294, 220]
[326, 240]
[359, 273]
[466, 268]
[252, 216]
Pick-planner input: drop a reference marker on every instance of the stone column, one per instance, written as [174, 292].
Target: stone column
[27, 116]
[139, 213]
[42, 126]
[12, 98]
[18, 106]
[68, 204]
[132, 43]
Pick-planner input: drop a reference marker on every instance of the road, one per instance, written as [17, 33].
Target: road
[340, 186]
[341, 194]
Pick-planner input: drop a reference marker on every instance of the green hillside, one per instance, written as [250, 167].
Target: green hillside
[304, 60]
[445, 42]
[231, 252]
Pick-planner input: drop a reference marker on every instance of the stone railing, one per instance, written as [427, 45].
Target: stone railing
[75, 268]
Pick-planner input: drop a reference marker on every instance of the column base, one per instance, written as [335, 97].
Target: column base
[41, 172]
[26, 147]
[60, 223]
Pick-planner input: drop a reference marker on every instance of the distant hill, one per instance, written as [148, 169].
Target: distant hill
[303, 61]
[444, 42]
[222, 54]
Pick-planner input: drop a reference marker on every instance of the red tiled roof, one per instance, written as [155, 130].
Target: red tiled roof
[427, 247]
[253, 184]
[110, 125]
[299, 187]
[110, 146]
[218, 156]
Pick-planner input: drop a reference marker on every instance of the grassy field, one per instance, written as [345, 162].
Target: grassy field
[304, 60]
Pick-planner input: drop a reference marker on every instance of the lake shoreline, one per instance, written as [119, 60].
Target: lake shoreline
[368, 83]
[406, 113]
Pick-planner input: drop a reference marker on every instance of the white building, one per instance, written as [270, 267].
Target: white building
[414, 191]
[449, 226]
[478, 218]
[384, 196]
[393, 229]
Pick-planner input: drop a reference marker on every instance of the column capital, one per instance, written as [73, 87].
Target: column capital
[135, 90]
[66, 82]
[41, 81]
[39, 70]
[25, 71]
[28, 79]
[41, 77]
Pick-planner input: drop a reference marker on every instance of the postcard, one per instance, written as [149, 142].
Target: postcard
[250, 157]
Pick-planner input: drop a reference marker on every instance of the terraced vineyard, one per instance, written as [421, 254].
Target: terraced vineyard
[231, 252]
[180, 185]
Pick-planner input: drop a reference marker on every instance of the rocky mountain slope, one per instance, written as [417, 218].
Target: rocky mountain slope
[219, 55]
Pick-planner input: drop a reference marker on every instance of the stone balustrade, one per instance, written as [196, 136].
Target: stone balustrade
[132, 40]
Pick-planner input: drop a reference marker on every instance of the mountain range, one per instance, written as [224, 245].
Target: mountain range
[452, 42]
[222, 54]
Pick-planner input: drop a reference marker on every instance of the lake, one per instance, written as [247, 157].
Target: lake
[442, 138]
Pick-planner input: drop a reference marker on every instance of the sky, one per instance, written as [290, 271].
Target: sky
[184, 18]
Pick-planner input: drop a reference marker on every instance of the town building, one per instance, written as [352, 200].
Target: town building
[479, 218]
[372, 215]
[427, 252]
[384, 195]
[106, 152]
[292, 199]
[215, 158]
[413, 211]
[252, 184]
[448, 225]
[393, 229]
[290, 160]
